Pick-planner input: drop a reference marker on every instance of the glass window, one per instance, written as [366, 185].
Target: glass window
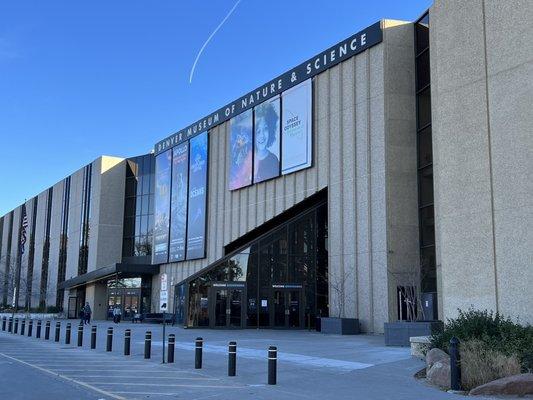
[131, 186]
[130, 206]
[150, 226]
[145, 204]
[139, 185]
[424, 108]
[428, 270]
[425, 152]
[302, 236]
[422, 34]
[427, 226]
[422, 70]
[425, 179]
[129, 226]
[127, 247]
[294, 252]
[144, 225]
[146, 184]
[238, 266]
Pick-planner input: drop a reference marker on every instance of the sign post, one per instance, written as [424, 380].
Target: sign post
[163, 306]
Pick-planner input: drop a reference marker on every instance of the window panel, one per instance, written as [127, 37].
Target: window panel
[422, 70]
[425, 151]
[424, 108]
[425, 186]
[130, 207]
[427, 226]
[422, 34]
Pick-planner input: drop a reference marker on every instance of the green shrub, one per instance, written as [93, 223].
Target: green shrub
[499, 333]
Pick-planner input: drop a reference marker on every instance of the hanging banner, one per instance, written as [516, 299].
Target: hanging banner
[162, 207]
[296, 128]
[266, 140]
[240, 151]
[178, 217]
[196, 216]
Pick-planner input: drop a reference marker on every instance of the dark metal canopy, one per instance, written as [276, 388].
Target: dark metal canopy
[120, 269]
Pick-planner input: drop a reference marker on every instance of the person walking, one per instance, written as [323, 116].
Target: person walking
[81, 314]
[87, 313]
[117, 314]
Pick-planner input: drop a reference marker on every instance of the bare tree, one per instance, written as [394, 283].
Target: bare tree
[408, 282]
[338, 281]
[26, 287]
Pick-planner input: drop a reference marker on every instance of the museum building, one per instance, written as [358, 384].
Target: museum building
[397, 160]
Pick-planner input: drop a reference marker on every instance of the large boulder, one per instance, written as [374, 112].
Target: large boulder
[439, 374]
[435, 355]
[519, 385]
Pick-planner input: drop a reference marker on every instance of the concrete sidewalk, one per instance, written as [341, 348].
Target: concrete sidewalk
[310, 365]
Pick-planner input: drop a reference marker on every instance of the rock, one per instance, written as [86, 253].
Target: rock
[435, 355]
[520, 385]
[439, 374]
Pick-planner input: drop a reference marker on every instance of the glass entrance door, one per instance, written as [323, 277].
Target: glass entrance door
[131, 304]
[227, 309]
[287, 311]
[221, 307]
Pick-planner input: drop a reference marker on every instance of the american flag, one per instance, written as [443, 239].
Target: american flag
[23, 227]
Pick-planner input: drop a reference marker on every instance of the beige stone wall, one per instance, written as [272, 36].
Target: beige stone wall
[482, 91]
[107, 212]
[365, 154]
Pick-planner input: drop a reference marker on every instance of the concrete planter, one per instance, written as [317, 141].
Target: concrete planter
[398, 333]
[339, 326]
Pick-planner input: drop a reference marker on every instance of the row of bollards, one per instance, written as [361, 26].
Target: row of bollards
[13, 325]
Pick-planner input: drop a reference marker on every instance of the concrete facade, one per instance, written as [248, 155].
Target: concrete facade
[482, 91]
[105, 237]
[365, 155]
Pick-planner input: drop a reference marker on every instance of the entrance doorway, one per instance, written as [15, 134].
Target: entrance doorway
[287, 311]
[227, 305]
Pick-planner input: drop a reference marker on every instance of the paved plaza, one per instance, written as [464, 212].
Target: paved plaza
[310, 366]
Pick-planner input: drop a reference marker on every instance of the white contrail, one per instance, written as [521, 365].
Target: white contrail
[210, 37]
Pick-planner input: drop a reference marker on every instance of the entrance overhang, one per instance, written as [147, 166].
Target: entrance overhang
[117, 269]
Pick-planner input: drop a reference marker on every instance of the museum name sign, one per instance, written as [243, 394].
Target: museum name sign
[355, 44]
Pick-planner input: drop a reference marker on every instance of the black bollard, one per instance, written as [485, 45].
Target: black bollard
[47, 330]
[30, 327]
[16, 325]
[198, 353]
[127, 342]
[455, 367]
[23, 327]
[272, 365]
[58, 331]
[147, 344]
[80, 335]
[4, 323]
[232, 358]
[171, 342]
[93, 337]
[38, 333]
[109, 344]
[67, 333]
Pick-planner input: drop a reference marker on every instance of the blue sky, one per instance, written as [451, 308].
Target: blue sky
[82, 79]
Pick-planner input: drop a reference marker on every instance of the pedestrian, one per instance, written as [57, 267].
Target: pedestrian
[87, 313]
[81, 314]
[117, 314]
